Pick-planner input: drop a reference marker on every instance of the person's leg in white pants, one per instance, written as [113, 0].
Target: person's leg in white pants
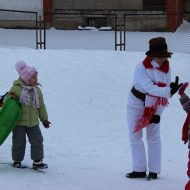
[139, 163]
[154, 147]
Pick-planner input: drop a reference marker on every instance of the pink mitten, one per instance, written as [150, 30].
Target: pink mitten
[182, 89]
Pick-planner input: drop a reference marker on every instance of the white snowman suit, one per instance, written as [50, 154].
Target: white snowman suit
[146, 77]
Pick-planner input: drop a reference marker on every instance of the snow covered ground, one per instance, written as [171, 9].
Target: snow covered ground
[95, 39]
[85, 91]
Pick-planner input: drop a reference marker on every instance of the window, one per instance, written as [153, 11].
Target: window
[154, 5]
[96, 22]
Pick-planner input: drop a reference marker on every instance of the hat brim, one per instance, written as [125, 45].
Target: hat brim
[164, 54]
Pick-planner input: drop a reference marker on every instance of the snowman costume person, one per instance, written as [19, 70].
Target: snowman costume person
[147, 99]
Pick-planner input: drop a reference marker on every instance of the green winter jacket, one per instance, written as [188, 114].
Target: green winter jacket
[30, 114]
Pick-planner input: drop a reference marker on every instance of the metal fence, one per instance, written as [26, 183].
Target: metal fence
[71, 33]
[109, 31]
[128, 32]
[178, 40]
[25, 26]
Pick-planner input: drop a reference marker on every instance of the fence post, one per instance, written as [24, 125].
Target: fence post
[121, 29]
[36, 30]
[40, 42]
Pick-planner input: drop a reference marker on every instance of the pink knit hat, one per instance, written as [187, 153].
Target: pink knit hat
[25, 72]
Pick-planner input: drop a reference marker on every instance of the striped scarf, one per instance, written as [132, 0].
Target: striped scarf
[29, 96]
[152, 103]
[160, 81]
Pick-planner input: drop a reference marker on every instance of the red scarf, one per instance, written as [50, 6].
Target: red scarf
[147, 64]
[164, 68]
[160, 101]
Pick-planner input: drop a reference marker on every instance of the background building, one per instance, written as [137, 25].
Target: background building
[141, 15]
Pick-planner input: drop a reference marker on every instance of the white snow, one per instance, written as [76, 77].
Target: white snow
[185, 27]
[85, 92]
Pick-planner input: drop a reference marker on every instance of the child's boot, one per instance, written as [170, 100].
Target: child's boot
[38, 164]
[16, 164]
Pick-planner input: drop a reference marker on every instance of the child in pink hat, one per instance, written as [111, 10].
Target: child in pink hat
[33, 108]
[25, 72]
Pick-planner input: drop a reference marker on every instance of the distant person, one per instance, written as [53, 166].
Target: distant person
[185, 102]
[32, 104]
[147, 99]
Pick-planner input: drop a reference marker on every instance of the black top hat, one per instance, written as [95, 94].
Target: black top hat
[158, 48]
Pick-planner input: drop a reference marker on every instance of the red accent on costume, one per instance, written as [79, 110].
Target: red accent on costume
[146, 118]
[188, 165]
[149, 111]
[186, 128]
[161, 84]
[187, 186]
[147, 64]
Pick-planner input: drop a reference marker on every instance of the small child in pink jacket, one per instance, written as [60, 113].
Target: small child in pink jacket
[185, 102]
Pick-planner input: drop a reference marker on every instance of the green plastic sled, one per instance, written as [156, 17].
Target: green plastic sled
[10, 114]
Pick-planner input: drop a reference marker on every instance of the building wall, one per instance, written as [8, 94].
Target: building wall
[20, 19]
[98, 4]
[146, 23]
[187, 6]
[187, 10]
[8, 19]
[23, 5]
[154, 4]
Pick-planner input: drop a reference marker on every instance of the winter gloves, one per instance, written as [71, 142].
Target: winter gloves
[182, 89]
[175, 86]
[155, 119]
[12, 94]
[46, 123]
